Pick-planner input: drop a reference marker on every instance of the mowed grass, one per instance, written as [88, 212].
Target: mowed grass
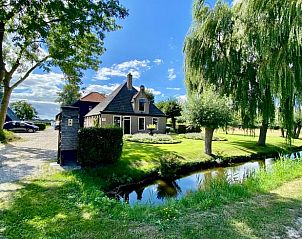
[64, 206]
[140, 159]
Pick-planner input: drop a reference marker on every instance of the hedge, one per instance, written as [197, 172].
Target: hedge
[99, 146]
[41, 126]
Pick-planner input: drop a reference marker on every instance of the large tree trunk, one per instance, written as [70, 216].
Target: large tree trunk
[4, 105]
[173, 122]
[262, 136]
[208, 140]
[297, 131]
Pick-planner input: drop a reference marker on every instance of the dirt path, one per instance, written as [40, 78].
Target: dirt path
[26, 157]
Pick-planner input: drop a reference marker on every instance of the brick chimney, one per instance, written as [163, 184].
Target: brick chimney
[129, 81]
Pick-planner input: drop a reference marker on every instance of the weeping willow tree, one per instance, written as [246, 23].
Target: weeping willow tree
[279, 39]
[240, 51]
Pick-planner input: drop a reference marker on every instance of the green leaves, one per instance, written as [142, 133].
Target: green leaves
[208, 109]
[24, 110]
[71, 32]
[250, 51]
[170, 107]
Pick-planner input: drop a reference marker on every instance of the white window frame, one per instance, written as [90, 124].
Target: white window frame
[144, 123]
[144, 104]
[157, 122]
[118, 116]
[124, 123]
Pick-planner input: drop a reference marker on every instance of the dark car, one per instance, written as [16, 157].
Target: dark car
[20, 126]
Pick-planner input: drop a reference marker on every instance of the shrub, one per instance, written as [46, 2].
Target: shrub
[2, 137]
[199, 136]
[41, 126]
[181, 129]
[193, 129]
[7, 136]
[155, 139]
[169, 165]
[99, 146]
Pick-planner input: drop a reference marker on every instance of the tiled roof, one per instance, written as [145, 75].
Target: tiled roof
[93, 97]
[12, 115]
[119, 101]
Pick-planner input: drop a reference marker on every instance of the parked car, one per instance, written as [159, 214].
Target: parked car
[20, 126]
[57, 125]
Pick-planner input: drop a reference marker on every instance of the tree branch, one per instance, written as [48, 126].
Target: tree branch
[29, 71]
[2, 64]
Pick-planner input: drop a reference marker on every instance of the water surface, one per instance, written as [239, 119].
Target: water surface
[161, 190]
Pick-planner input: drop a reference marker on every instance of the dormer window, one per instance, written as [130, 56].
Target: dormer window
[141, 105]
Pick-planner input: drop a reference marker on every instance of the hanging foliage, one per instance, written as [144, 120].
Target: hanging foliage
[249, 51]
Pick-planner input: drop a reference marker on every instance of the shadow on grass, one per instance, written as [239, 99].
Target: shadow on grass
[265, 216]
[57, 209]
[252, 147]
[65, 208]
[137, 160]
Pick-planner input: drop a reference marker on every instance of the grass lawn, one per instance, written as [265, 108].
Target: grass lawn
[65, 206]
[139, 159]
[73, 205]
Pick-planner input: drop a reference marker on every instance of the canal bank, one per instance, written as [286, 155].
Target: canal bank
[154, 189]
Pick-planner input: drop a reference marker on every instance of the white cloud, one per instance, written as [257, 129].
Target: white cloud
[236, 2]
[182, 98]
[40, 90]
[171, 88]
[171, 74]
[153, 91]
[136, 67]
[158, 61]
[105, 89]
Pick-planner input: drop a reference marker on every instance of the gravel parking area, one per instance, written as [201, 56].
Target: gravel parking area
[26, 157]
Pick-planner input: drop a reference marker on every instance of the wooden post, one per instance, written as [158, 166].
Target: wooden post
[69, 127]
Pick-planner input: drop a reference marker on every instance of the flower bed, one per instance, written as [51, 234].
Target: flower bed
[155, 139]
[199, 136]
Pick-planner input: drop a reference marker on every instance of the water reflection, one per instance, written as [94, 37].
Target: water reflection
[161, 190]
[167, 189]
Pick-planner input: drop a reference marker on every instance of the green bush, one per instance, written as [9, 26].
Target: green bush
[169, 165]
[154, 139]
[181, 129]
[99, 146]
[2, 136]
[7, 136]
[41, 126]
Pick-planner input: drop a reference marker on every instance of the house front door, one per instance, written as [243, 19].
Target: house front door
[127, 125]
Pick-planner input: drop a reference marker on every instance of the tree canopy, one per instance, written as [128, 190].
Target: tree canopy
[69, 94]
[149, 95]
[209, 110]
[42, 34]
[171, 108]
[251, 52]
[24, 110]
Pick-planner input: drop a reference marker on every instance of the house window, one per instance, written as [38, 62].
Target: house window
[141, 105]
[141, 124]
[117, 121]
[155, 122]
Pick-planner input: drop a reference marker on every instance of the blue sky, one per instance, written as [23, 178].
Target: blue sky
[149, 45]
